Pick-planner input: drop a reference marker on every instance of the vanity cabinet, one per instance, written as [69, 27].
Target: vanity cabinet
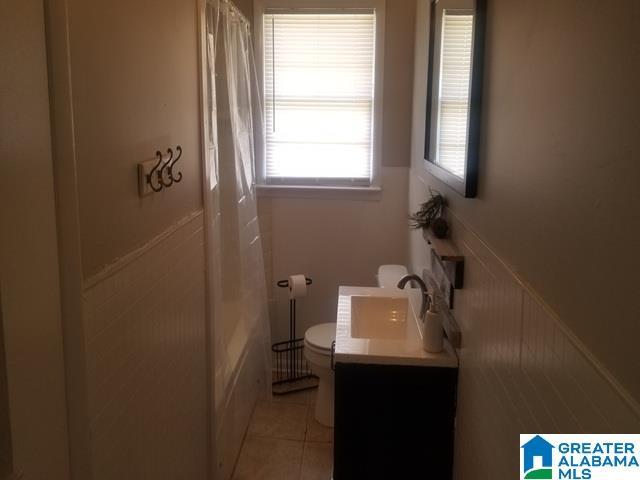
[394, 422]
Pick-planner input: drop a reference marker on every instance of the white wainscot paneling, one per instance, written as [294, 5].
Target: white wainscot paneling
[521, 369]
[146, 360]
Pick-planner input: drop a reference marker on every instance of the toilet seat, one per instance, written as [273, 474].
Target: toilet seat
[320, 337]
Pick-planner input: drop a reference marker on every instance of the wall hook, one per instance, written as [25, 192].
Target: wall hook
[178, 177]
[150, 174]
[161, 175]
[155, 175]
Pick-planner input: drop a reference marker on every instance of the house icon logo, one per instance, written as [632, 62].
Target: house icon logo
[537, 459]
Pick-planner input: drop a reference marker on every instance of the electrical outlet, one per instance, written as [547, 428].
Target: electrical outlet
[143, 172]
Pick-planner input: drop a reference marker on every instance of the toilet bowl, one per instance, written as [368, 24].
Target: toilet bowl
[317, 351]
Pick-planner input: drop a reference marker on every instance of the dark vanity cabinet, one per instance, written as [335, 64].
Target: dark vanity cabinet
[394, 422]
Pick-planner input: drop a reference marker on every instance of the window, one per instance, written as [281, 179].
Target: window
[455, 83]
[319, 83]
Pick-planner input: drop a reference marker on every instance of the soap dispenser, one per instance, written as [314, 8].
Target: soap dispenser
[432, 334]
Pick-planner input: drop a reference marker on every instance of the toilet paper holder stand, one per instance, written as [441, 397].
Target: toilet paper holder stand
[285, 283]
[291, 373]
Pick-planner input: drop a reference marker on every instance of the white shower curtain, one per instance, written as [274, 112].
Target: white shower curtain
[241, 368]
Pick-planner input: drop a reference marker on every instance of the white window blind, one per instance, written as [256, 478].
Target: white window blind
[455, 80]
[319, 89]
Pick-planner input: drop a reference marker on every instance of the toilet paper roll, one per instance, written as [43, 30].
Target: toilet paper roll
[297, 286]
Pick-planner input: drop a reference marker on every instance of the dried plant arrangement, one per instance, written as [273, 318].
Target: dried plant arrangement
[431, 215]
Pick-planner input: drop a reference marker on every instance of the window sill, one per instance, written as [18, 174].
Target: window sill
[373, 192]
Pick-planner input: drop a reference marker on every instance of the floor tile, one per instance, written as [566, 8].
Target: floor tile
[269, 459]
[279, 420]
[302, 397]
[316, 432]
[317, 461]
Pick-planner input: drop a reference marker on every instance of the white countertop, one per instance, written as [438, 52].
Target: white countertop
[407, 351]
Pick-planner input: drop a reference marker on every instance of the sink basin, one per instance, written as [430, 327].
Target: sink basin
[379, 326]
[379, 317]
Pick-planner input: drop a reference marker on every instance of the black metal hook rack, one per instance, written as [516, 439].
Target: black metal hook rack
[163, 174]
[292, 372]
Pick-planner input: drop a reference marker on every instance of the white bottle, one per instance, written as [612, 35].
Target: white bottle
[432, 333]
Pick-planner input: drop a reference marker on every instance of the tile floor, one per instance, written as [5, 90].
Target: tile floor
[284, 441]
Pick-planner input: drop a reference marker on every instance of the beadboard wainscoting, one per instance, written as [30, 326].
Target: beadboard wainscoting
[521, 369]
[146, 360]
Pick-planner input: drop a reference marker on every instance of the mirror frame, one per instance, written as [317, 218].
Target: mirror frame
[467, 186]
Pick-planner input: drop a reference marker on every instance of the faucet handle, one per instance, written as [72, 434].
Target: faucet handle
[430, 298]
[427, 300]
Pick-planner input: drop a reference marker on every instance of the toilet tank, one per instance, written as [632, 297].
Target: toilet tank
[389, 275]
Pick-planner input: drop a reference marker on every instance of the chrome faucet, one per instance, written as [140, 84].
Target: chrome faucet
[426, 299]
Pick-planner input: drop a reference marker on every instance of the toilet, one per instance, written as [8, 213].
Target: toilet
[389, 275]
[317, 349]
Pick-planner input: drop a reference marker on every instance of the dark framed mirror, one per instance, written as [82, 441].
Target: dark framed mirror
[454, 91]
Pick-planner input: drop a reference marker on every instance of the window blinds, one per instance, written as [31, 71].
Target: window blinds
[455, 79]
[318, 86]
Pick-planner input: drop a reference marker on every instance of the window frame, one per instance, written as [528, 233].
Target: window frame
[295, 187]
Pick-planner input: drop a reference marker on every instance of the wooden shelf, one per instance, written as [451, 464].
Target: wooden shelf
[448, 256]
[444, 248]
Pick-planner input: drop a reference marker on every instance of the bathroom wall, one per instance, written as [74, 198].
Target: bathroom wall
[341, 239]
[146, 364]
[135, 91]
[548, 314]
[124, 78]
[32, 393]
[558, 197]
[521, 369]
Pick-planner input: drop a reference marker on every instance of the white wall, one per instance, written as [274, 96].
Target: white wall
[521, 369]
[341, 240]
[146, 360]
[548, 316]
[28, 250]
[124, 79]
[335, 241]
[558, 196]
